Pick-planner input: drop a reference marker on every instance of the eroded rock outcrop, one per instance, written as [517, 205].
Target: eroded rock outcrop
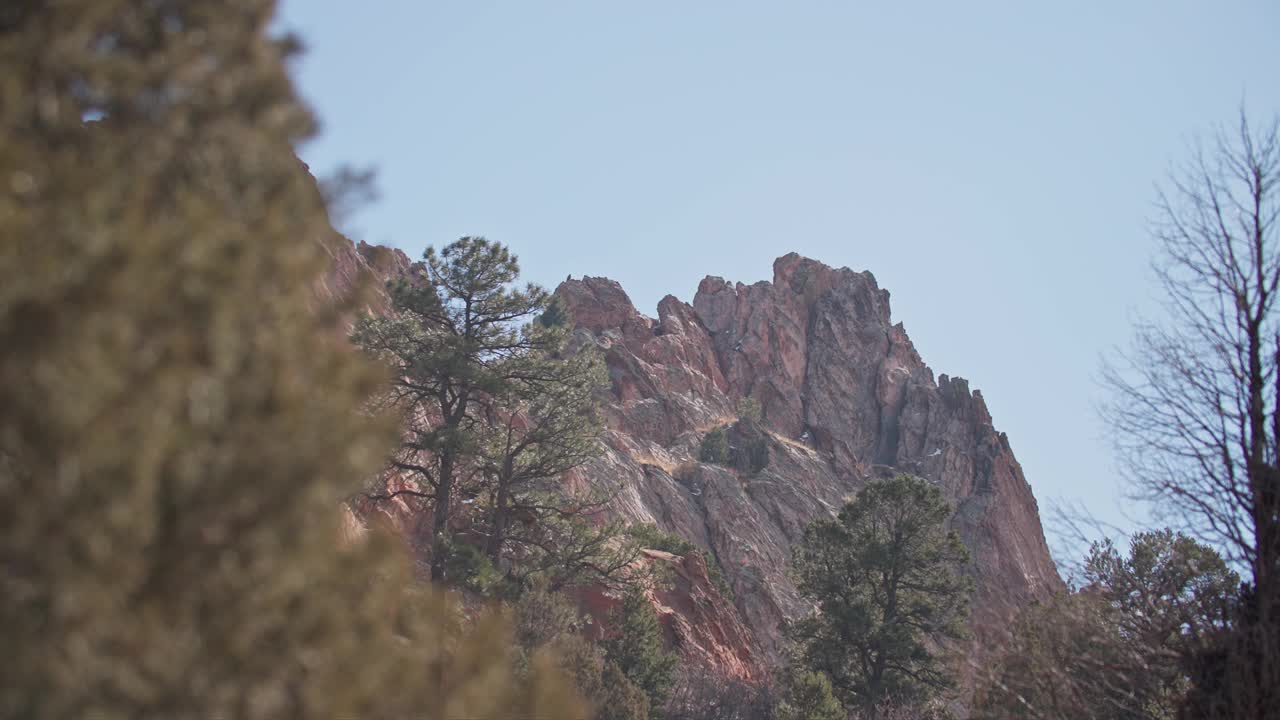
[358, 272]
[845, 397]
[697, 620]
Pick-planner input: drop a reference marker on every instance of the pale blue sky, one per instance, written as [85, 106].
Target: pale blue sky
[992, 164]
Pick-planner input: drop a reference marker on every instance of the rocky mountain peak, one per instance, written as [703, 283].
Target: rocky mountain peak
[845, 397]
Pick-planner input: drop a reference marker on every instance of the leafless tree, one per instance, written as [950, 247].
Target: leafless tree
[1195, 402]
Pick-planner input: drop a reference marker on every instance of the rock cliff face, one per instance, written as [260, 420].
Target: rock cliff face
[845, 398]
[694, 616]
[359, 272]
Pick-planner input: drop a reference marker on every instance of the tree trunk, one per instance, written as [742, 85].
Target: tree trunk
[501, 514]
[1266, 641]
[1261, 473]
[440, 517]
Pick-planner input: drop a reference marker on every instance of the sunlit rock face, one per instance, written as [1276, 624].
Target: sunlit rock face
[359, 272]
[845, 397]
[694, 616]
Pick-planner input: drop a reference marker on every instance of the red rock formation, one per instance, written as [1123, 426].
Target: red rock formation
[697, 620]
[845, 398]
[359, 272]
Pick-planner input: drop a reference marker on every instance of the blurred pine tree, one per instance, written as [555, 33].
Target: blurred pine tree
[177, 424]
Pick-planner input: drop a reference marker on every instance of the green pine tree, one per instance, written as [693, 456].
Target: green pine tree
[808, 696]
[453, 326]
[1126, 645]
[884, 575]
[497, 411]
[638, 650]
[178, 423]
[715, 446]
[548, 621]
[540, 425]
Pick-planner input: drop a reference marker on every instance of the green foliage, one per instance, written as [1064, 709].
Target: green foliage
[540, 425]
[1050, 648]
[743, 446]
[638, 650]
[1121, 647]
[178, 420]
[541, 617]
[652, 537]
[884, 575]
[556, 315]
[468, 568]
[808, 696]
[620, 698]
[749, 409]
[568, 548]
[454, 326]
[544, 621]
[752, 455]
[715, 447]
[1168, 584]
[497, 411]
